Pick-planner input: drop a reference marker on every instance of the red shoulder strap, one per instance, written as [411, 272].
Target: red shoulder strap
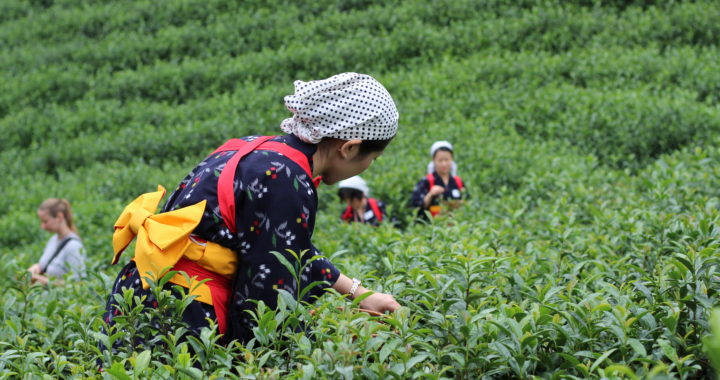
[297, 156]
[459, 182]
[431, 179]
[348, 214]
[292, 153]
[234, 144]
[375, 208]
[226, 188]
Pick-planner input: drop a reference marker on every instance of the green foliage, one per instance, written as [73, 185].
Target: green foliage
[585, 131]
[712, 342]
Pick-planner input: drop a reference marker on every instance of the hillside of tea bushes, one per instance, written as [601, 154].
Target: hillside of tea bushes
[586, 131]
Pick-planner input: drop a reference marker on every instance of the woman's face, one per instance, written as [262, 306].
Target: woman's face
[356, 203]
[49, 223]
[443, 162]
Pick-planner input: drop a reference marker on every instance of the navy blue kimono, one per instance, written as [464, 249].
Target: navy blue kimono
[276, 202]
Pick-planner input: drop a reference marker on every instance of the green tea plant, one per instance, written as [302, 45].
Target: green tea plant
[586, 133]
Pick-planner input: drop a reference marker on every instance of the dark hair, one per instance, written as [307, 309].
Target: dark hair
[372, 146]
[444, 149]
[366, 146]
[348, 193]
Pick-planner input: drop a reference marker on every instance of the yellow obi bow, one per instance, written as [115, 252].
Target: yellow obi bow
[161, 238]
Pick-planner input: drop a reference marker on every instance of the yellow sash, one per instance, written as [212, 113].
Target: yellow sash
[162, 239]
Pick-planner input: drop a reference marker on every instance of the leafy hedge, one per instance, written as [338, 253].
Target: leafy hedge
[586, 132]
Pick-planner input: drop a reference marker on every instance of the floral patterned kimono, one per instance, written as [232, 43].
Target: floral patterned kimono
[275, 206]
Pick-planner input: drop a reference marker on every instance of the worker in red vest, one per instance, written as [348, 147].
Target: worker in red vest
[251, 198]
[441, 185]
[360, 208]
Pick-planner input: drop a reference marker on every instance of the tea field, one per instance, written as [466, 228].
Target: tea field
[587, 133]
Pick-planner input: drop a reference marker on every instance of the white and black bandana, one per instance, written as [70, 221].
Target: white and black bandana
[356, 183]
[434, 148]
[345, 106]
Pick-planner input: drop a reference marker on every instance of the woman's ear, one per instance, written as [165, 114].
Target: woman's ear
[350, 149]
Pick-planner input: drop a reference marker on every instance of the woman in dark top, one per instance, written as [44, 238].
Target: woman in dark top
[441, 184]
[255, 196]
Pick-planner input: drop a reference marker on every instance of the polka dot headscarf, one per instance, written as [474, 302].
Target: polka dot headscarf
[345, 106]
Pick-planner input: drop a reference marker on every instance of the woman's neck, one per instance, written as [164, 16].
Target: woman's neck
[360, 209]
[63, 232]
[445, 177]
[319, 160]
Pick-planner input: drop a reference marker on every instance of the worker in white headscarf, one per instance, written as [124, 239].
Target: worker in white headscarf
[255, 198]
[361, 208]
[441, 184]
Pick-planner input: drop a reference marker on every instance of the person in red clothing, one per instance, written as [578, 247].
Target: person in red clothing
[441, 184]
[360, 207]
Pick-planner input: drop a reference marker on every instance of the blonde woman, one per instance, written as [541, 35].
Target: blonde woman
[63, 251]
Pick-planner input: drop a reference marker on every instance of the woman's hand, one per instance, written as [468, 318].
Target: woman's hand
[380, 303]
[34, 269]
[39, 279]
[436, 190]
[376, 302]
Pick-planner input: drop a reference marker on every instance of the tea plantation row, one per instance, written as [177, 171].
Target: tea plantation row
[586, 132]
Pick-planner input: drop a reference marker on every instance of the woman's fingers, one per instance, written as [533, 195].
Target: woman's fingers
[381, 302]
[392, 305]
[395, 305]
[34, 269]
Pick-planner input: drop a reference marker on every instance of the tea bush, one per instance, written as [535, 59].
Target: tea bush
[585, 131]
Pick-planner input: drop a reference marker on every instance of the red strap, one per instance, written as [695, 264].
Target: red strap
[297, 156]
[459, 182]
[376, 209]
[434, 210]
[232, 144]
[219, 288]
[292, 153]
[431, 179]
[348, 214]
[226, 188]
